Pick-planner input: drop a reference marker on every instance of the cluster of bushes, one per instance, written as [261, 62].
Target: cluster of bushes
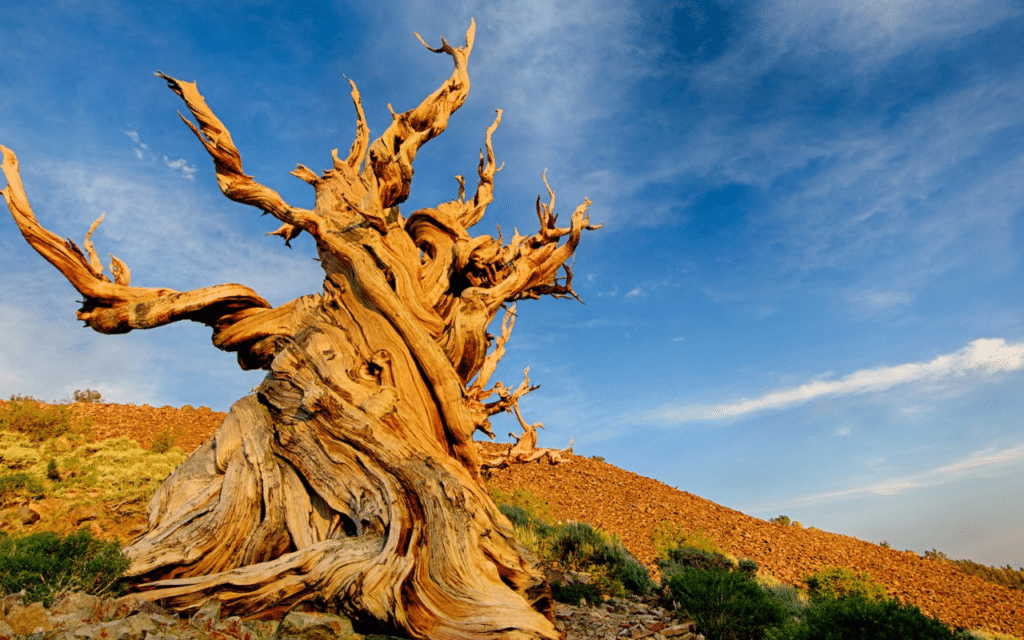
[726, 601]
[44, 565]
[576, 547]
[725, 596]
[1006, 576]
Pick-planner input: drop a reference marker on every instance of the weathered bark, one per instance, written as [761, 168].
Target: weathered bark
[350, 478]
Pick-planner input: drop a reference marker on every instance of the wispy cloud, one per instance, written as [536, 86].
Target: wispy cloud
[187, 171]
[985, 356]
[974, 465]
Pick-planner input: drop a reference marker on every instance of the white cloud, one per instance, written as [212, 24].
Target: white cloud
[985, 356]
[635, 292]
[187, 172]
[974, 466]
[842, 432]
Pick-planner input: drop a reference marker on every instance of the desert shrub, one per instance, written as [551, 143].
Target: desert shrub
[1006, 576]
[87, 395]
[669, 535]
[575, 592]
[885, 544]
[534, 507]
[597, 458]
[20, 484]
[683, 558]
[783, 520]
[787, 597]
[613, 569]
[724, 604]
[52, 472]
[854, 617]
[835, 582]
[38, 422]
[163, 441]
[45, 564]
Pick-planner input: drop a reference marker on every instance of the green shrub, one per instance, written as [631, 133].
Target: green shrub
[783, 520]
[87, 395]
[52, 472]
[20, 484]
[853, 617]
[835, 582]
[163, 441]
[614, 570]
[575, 592]
[37, 422]
[597, 458]
[681, 558]
[534, 507]
[726, 605]
[45, 564]
[669, 535]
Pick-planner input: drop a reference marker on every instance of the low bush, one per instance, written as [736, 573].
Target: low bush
[681, 558]
[37, 421]
[18, 485]
[670, 535]
[854, 617]
[724, 604]
[163, 441]
[835, 582]
[45, 564]
[87, 395]
[580, 547]
[575, 593]
[783, 520]
[534, 507]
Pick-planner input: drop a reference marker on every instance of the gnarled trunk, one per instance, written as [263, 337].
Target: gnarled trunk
[350, 478]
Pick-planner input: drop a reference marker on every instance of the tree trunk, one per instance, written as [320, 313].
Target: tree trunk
[350, 478]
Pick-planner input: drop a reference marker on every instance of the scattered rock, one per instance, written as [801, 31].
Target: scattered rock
[316, 626]
[26, 620]
[27, 515]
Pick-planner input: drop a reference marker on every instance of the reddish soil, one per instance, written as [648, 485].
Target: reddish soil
[630, 506]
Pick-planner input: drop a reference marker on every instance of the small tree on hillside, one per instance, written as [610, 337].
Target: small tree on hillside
[350, 477]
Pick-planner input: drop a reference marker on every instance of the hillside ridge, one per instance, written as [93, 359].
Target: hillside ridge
[630, 505]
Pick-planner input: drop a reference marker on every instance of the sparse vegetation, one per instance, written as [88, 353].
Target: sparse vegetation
[1006, 576]
[670, 535]
[87, 395]
[19, 485]
[783, 520]
[854, 617]
[45, 564]
[38, 421]
[837, 582]
[163, 441]
[597, 458]
[725, 602]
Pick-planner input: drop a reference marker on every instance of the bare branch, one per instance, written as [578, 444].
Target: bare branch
[390, 156]
[234, 183]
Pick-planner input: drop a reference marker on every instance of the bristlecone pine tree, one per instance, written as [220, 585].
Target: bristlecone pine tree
[350, 478]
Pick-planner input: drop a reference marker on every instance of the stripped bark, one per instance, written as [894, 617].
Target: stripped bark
[350, 477]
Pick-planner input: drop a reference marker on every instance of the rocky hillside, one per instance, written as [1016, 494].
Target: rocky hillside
[630, 506]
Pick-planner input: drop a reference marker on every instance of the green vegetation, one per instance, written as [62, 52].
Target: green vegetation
[46, 564]
[853, 617]
[87, 395]
[669, 535]
[573, 546]
[114, 469]
[783, 520]
[725, 604]
[837, 582]
[1006, 576]
[39, 422]
[19, 485]
[163, 441]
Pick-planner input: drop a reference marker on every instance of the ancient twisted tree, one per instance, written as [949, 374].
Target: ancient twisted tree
[350, 478]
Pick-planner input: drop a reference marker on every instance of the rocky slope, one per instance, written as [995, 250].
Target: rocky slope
[630, 506]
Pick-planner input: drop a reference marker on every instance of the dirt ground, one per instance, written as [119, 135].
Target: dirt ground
[622, 503]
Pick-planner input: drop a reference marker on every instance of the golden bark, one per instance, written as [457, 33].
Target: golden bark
[350, 478]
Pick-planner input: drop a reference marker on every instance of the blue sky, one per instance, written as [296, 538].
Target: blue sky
[807, 296]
